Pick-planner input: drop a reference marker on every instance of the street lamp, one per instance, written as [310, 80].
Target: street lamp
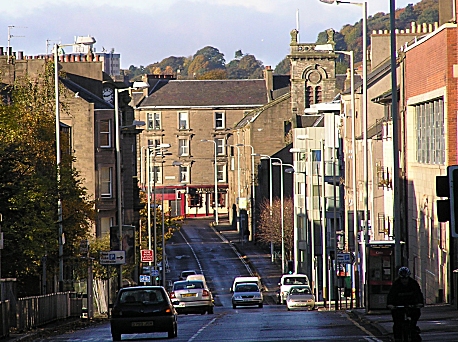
[216, 197]
[364, 129]
[239, 228]
[136, 85]
[153, 149]
[263, 157]
[281, 164]
[85, 41]
[253, 202]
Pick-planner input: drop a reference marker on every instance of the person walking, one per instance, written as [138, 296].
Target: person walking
[405, 291]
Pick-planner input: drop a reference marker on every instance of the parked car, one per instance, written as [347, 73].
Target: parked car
[247, 294]
[239, 280]
[191, 296]
[186, 273]
[300, 297]
[288, 280]
[143, 309]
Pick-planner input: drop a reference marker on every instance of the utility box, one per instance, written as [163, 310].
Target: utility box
[380, 273]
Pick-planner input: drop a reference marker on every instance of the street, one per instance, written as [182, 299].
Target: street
[198, 246]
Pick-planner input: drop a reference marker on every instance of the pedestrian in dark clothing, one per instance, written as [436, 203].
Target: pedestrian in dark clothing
[405, 291]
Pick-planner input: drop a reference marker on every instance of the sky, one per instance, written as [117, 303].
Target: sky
[147, 31]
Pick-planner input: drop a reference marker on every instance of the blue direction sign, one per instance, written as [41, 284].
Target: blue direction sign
[113, 258]
[344, 258]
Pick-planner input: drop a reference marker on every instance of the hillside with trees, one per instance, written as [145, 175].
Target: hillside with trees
[210, 63]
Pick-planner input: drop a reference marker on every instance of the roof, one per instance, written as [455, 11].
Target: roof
[86, 94]
[207, 93]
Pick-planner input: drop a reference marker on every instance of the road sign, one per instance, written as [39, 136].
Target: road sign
[145, 278]
[113, 258]
[154, 273]
[344, 258]
[147, 255]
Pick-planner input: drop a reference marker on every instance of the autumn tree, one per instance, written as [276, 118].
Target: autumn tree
[28, 184]
[269, 226]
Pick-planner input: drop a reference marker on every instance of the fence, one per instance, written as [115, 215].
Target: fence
[33, 312]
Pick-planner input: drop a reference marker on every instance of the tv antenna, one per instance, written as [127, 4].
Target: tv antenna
[10, 27]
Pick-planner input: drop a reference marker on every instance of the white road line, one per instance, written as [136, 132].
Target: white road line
[371, 338]
[201, 329]
[194, 253]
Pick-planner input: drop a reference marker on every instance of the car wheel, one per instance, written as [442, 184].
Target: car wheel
[210, 310]
[116, 336]
[288, 308]
[233, 306]
[261, 305]
[172, 332]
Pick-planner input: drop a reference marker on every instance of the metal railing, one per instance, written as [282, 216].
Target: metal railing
[36, 311]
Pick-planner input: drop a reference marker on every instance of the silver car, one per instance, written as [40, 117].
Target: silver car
[191, 296]
[247, 294]
[300, 297]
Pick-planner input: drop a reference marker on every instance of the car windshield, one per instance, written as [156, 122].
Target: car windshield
[296, 281]
[299, 290]
[247, 288]
[188, 285]
[141, 296]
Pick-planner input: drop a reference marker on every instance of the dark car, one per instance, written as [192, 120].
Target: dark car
[143, 309]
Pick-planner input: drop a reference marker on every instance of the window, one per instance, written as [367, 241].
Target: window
[221, 173]
[183, 147]
[308, 97]
[220, 120]
[184, 174]
[220, 148]
[318, 95]
[221, 199]
[105, 133]
[430, 132]
[154, 120]
[154, 142]
[106, 182]
[183, 122]
[156, 174]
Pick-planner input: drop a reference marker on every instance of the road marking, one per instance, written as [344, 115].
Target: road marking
[223, 238]
[194, 253]
[371, 338]
[201, 329]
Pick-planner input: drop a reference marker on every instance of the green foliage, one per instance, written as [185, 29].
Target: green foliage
[246, 67]
[28, 182]
[283, 68]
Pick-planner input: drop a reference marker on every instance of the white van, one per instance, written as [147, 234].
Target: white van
[239, 280]
[198, 277]
[288, 280]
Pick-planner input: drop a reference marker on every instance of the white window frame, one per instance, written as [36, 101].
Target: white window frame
[221, 173]
[220, 146]
[220, 120]
[153, 121]
[106, 182]
[103, 133]
[156, 169]
[184, 174]
[183, 147]
[183, 120]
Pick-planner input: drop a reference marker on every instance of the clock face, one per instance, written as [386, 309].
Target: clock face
[107, 94]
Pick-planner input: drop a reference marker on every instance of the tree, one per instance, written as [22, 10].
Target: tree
[269, 226]
[28, 184]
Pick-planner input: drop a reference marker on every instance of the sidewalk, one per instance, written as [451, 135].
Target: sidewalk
[439, 318]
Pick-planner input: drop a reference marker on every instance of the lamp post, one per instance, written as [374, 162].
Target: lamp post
[364, 133]
[264, 156]
[253, 197]
[85, 41]
[216, 178]
[154, 149]
[281, 164]
[239, 228]
[118, 122]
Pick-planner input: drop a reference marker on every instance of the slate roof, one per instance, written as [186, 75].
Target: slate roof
[99, 103]
[206, 93]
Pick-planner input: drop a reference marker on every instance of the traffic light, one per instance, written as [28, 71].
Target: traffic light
[447, 210]
[290, 266]
[452, 172]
